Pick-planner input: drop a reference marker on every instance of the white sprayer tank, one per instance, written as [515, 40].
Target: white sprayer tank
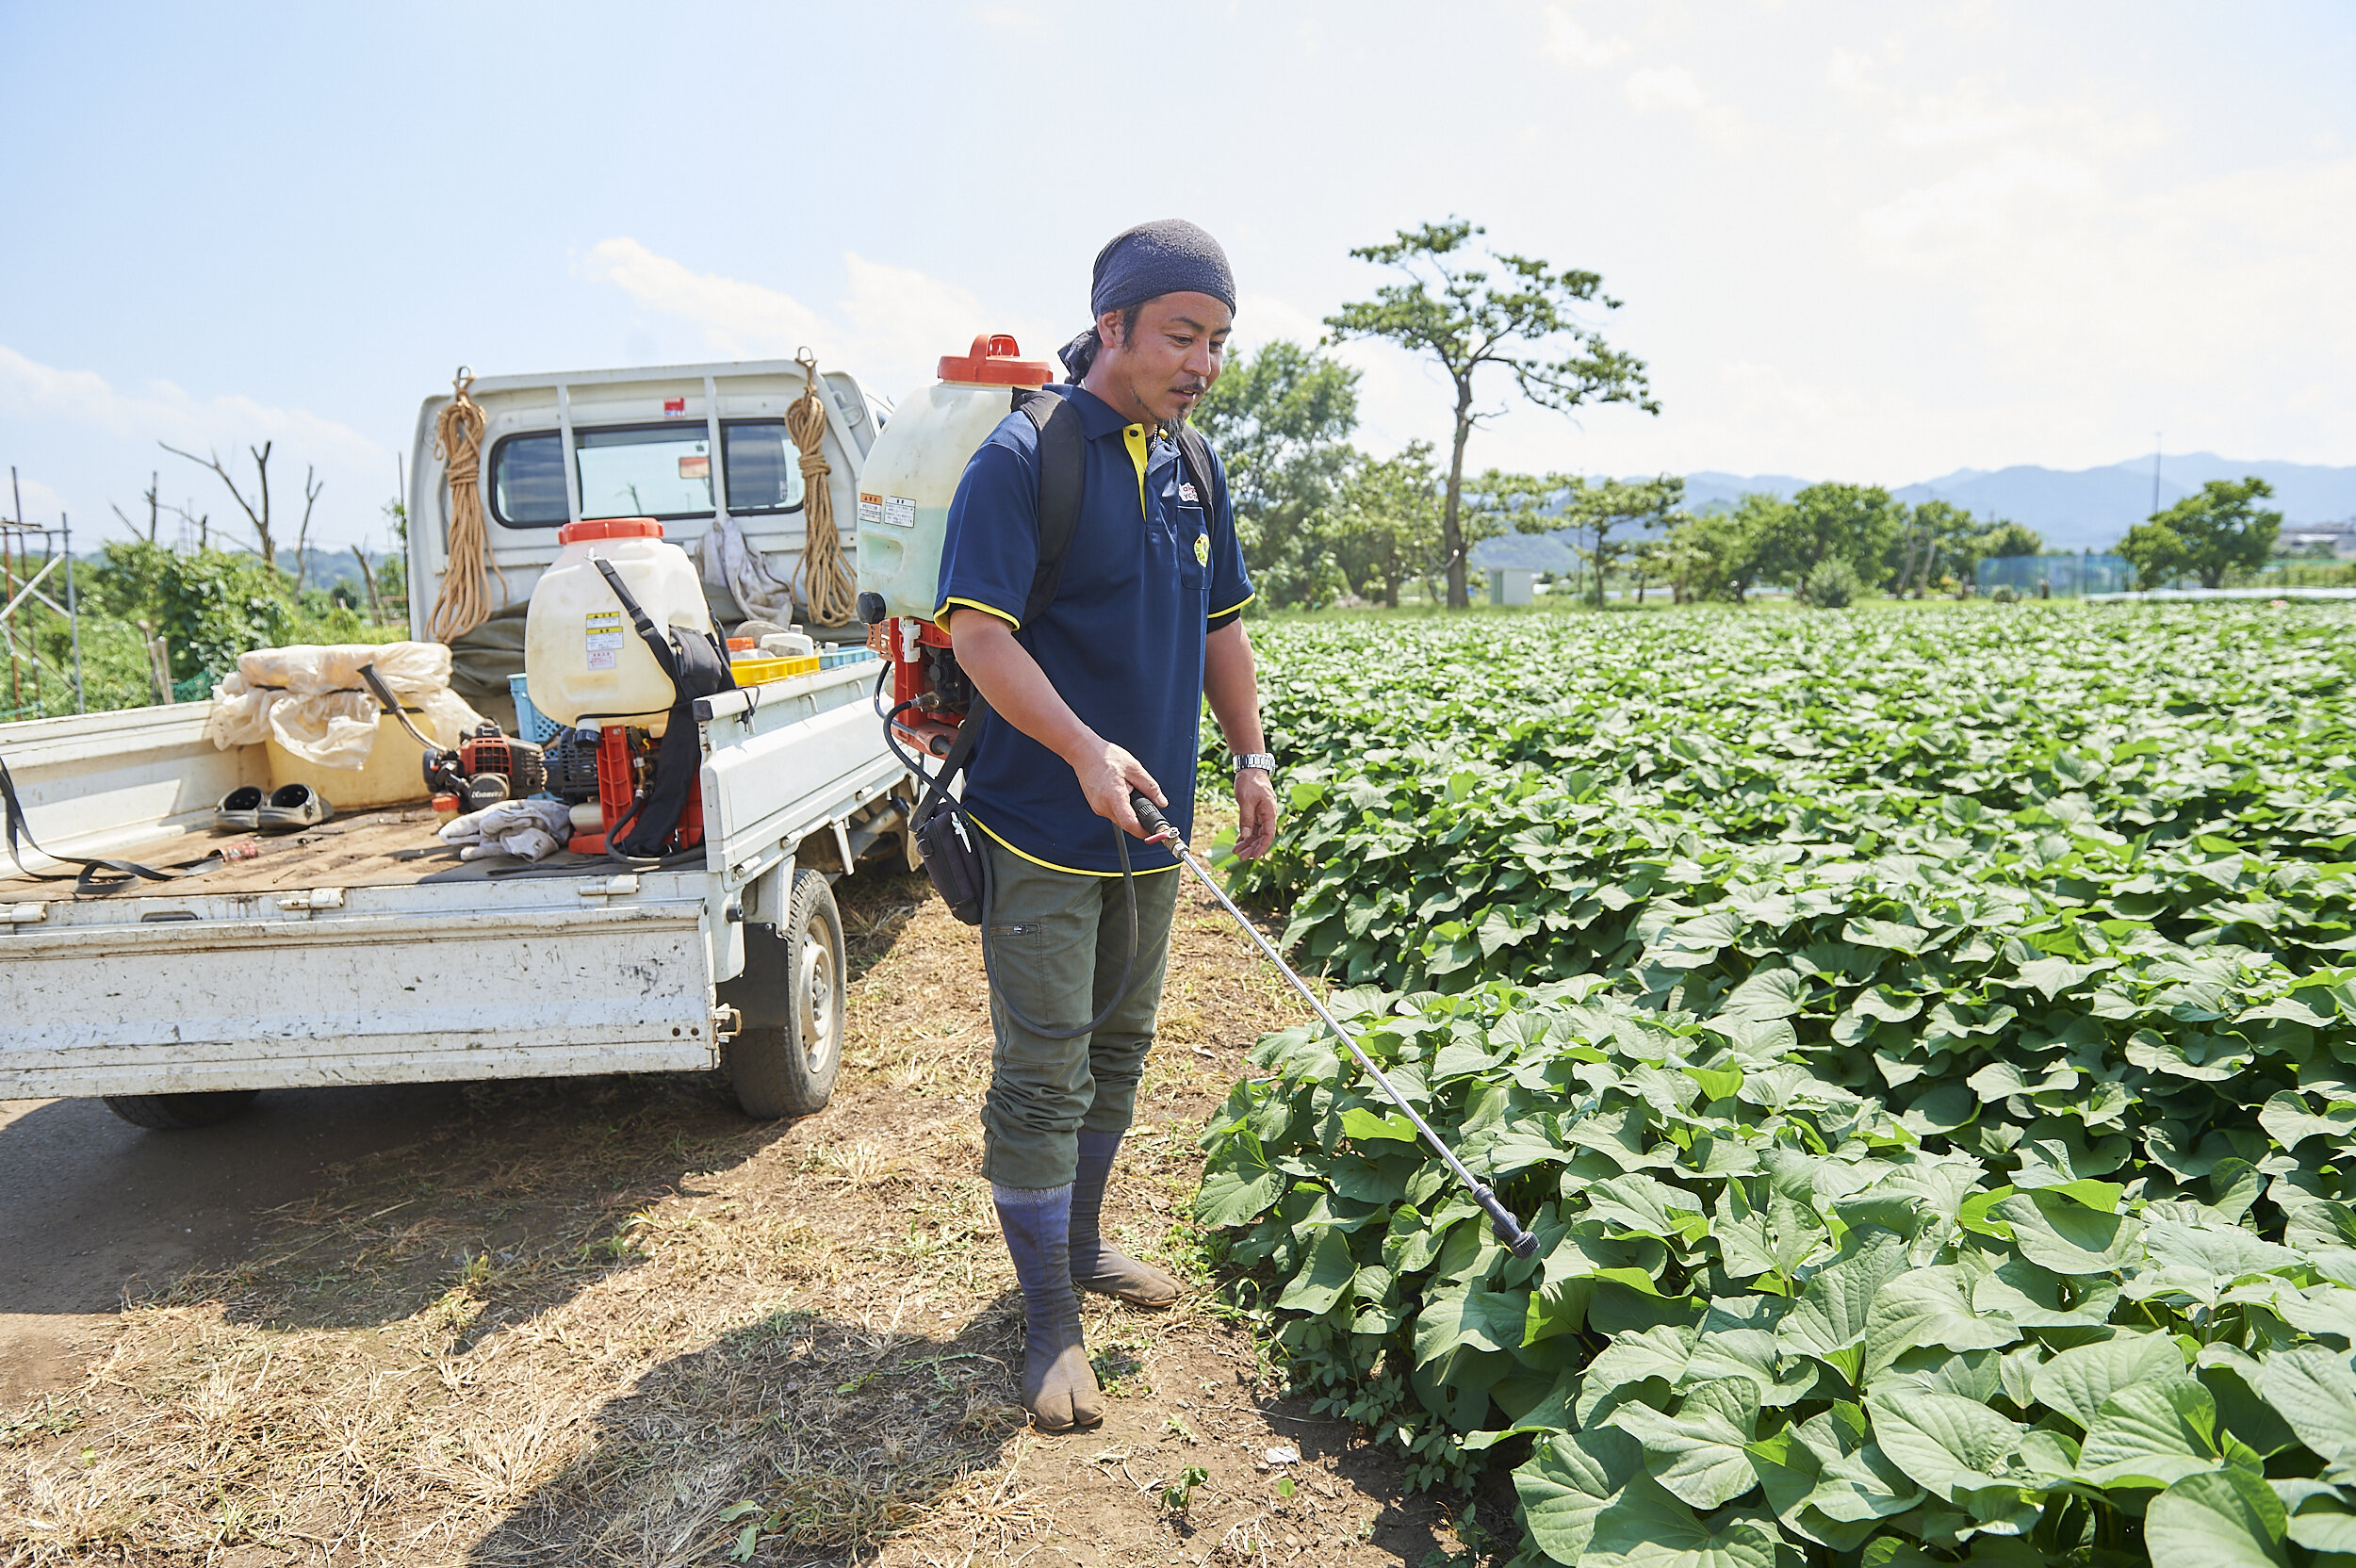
[583, 658]
[913, 470]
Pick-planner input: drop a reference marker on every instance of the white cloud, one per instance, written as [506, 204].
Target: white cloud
[740, 320]
[98, 443]
[1572, 45]
[30, 390]
[890, 328]
[1673, 87]
[1664, 88]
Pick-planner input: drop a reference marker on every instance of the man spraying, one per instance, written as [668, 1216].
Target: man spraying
[1096, 695]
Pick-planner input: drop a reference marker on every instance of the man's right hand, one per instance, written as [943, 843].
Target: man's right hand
[1107, 773]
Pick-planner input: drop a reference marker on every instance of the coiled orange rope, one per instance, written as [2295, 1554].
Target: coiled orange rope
[823, 579]
[462, 602]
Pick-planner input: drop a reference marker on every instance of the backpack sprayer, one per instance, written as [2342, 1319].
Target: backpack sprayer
[1521, 1243]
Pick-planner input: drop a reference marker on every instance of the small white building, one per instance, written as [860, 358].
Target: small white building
[1511, 585]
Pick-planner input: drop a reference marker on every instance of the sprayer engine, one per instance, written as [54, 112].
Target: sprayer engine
[925, 672]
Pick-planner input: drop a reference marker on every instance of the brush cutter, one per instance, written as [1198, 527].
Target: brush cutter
[1521, 1243]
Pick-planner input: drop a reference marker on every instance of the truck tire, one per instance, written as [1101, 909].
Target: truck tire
[173, 1113]
[784, 1061]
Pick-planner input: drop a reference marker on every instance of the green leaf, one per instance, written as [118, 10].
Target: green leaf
[2227, 1251]
[1928, 1306]
[1361, 1125]
[1701, 1453]
[2314, 1390]
[1324, 1276]
[1767, 995]
[1717, 1084]
[1642, 1204]
[1567, 1481]
[2057, 1233]
[2079, 1381]
[2325, 1530]
[1829, 1321]
[2217, 1519]
[1239, 1185]
[1945, 1443]
[1647, 1527]
[1482, 1319]
[2152, 1434]
[2289, 1122]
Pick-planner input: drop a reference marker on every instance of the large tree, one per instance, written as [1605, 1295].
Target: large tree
[1598, 510]
[1940, 536]
[1856, 523]
[2157, 554]
[1525, 318]
[2222, 529]
[1281, 419]
[1385, 526]
[1718, 554]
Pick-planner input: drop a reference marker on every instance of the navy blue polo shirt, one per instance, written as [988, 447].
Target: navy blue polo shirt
[1150, 573]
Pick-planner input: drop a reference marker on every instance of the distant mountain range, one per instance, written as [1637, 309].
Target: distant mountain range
[2075, 509]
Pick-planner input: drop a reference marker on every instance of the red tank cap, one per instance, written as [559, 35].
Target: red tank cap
[610, 528]
[994, 361]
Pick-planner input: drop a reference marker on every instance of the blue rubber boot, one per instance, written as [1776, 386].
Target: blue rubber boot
[1058, 1386]
[1096, 1264]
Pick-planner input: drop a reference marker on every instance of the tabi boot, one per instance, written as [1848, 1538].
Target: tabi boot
[1058, 1386]
[1096, 1264]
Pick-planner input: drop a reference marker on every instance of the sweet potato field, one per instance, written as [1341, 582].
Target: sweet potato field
[1926, 1043]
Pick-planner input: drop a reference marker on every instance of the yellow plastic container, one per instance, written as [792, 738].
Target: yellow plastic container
[394, 774]
[755, 672]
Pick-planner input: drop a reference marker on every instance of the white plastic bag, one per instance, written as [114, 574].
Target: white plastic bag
[311, 700]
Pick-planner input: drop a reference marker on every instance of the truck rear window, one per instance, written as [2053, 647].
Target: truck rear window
[662, 471]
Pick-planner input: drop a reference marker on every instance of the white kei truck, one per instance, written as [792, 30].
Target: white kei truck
[357, 953]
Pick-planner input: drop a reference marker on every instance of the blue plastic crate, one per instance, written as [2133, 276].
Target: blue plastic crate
[835, 657]
[530, 725]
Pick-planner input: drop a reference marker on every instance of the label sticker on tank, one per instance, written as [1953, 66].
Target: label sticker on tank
[870, 510]
[601, 635]
[900, 511]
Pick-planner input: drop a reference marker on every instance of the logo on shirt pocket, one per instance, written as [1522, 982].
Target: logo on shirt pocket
[1202, 549]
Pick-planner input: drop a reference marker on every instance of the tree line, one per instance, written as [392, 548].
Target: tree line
[1320, 519]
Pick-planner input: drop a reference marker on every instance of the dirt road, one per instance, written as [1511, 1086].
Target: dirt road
[92, 1207]
[613, 1321]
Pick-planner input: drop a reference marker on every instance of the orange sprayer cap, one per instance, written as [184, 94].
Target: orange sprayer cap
[994, 361]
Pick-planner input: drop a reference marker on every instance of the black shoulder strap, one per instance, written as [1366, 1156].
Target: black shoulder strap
[96, 876]
[1196, 453]
[1062, 468]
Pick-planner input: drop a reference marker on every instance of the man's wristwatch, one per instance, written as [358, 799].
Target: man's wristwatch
[1263, 761]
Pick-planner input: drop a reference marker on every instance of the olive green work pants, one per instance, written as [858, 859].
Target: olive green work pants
[1057, 941]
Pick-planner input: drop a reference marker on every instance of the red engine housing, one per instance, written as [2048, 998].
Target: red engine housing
[923, 663]
[625, 768]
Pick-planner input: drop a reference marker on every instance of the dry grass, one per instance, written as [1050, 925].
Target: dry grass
[612, 1321]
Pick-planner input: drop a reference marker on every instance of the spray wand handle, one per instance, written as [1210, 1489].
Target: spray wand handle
[1157, 828]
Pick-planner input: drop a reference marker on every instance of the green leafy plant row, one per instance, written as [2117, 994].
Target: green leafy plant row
[1795, 967]
[1769, 1322]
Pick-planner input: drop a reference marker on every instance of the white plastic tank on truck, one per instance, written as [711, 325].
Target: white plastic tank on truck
[361, 950]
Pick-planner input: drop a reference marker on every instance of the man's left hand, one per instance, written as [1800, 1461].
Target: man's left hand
[1255, 814]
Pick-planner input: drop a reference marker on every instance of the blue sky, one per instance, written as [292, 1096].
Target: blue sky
[1854, 241]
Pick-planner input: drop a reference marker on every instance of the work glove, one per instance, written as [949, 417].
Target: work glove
[530, 830]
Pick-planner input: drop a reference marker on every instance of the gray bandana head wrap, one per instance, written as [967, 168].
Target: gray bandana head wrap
[1168, 257]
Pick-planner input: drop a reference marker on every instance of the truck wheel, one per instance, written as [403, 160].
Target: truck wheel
[172, 1113]
[784, 1061]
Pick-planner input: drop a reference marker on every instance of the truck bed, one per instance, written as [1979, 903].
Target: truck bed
[393, 847]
